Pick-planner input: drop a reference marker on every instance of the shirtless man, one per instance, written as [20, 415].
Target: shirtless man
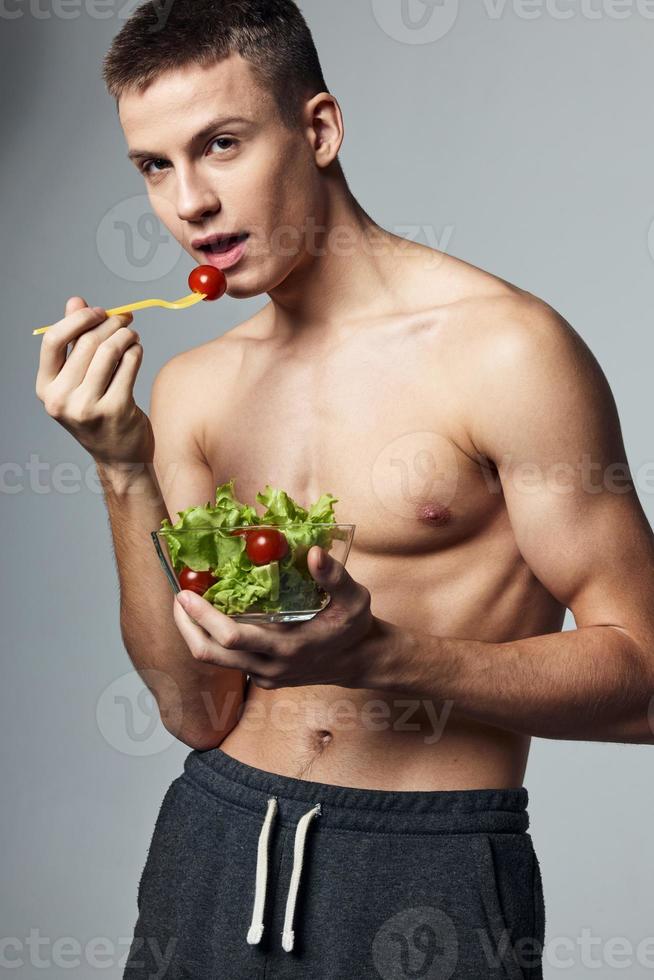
[472, 438]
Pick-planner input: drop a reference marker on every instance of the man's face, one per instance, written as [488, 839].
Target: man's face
[206, 177]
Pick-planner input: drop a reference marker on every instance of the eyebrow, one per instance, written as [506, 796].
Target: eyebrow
[202, 134]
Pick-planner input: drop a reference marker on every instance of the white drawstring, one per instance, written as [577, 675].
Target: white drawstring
[255, 931]
[298, 858]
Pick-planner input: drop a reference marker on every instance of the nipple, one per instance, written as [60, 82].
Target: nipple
[435, 514]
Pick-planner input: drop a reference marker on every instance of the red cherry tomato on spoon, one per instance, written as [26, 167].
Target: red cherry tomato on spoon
[196, 581]
[209, 280]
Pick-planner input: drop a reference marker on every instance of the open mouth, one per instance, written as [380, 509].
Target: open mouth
[223, 246]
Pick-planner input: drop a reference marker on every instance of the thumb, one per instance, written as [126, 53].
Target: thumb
[333, 576]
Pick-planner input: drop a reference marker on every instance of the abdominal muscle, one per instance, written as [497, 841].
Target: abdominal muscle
[372, 740]
[375, 739]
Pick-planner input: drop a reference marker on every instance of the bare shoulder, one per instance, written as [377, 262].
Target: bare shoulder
[214, 362]
[530, 375]
[513, 358]
[495, 323]
[517, 335]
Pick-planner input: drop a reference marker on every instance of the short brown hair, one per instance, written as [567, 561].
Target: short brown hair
[271, 35]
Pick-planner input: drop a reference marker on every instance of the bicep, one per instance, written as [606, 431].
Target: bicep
[554, 434]
[183, 473]
[186, 480]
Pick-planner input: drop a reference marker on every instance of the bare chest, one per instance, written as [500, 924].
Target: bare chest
[375, 424]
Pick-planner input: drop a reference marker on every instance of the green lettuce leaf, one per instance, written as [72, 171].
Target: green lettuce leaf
[206, 544]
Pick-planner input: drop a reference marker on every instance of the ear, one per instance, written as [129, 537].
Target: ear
[325, 128]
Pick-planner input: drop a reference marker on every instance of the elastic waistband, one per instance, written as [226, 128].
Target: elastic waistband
[459, 811]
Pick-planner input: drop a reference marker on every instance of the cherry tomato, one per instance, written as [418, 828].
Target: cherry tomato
[264, 545]
[209, 280]
[195, 581]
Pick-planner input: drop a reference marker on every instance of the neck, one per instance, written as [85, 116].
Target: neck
[346, 272]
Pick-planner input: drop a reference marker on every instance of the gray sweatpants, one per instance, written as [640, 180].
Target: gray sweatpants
[254, 875]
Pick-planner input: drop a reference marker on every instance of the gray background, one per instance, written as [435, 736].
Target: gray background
[520, 143]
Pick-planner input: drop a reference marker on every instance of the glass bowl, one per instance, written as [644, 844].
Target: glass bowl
[285, 591]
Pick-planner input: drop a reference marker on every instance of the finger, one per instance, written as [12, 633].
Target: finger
[56, 339]
[225, 630]
[106, 360]
[73, 372]
[73, 304]
[206, 648]
[121, 385]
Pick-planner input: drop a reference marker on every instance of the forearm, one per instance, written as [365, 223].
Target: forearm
[592, 683]
[198, 702]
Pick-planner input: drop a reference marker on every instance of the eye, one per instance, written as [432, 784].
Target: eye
[145, 167]
[224, 139]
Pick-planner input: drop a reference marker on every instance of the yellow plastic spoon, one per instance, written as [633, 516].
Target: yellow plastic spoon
[207, 278]
[180, 304]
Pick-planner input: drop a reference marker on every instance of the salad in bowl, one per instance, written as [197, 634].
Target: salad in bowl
[249, 566]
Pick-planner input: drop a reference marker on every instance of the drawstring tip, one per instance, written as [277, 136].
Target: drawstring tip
[287, 940]
[255, 933]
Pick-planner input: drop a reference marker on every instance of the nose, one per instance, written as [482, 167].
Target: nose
[195, 198]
